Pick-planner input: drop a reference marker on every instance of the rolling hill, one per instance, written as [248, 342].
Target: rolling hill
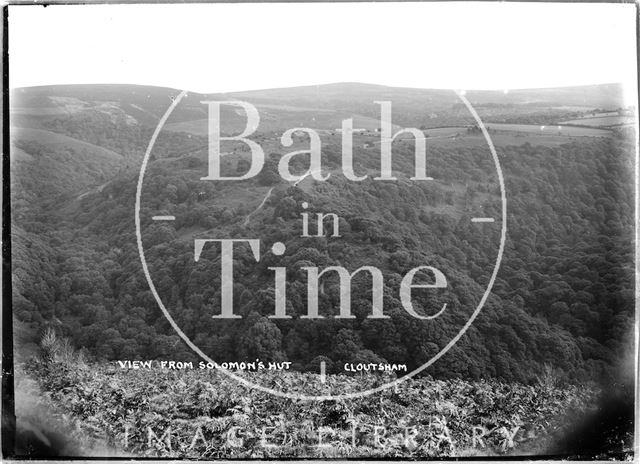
[329, 103]
[47, 167]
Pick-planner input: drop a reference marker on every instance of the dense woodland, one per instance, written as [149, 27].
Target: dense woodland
[563, 296]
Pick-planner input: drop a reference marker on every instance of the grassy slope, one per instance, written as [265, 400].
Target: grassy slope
[60, 141]
[46, 163]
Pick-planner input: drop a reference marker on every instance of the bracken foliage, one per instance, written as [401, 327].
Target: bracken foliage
[206, 414]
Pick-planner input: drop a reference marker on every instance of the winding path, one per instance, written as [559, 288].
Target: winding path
[264, 200]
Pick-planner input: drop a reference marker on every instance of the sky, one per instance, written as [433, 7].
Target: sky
[232, 47]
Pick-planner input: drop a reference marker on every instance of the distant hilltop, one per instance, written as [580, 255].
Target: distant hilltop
[317, 106]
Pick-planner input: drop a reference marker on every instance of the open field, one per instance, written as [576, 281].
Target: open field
[276, 119]
[446, 131]
[501, 139]
[555, 129]
[602, 121]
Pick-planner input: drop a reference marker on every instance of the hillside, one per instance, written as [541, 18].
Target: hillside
[48, 169]
[563, 295]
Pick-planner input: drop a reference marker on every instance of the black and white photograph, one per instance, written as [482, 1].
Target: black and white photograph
[320, 231]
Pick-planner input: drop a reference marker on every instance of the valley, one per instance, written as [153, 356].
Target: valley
[561, 306]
